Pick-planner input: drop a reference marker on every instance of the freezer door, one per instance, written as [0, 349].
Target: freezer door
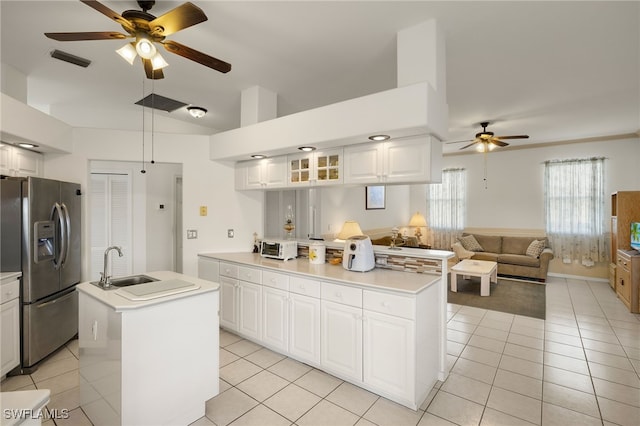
[40, 279]
[47, 325]
[70, 202]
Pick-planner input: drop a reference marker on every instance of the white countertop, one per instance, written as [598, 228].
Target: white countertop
[378, 279]
[9, 276]
[29, 401]
[120, 303]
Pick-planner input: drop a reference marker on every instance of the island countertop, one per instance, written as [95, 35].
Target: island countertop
[116, 301]
[376, 279]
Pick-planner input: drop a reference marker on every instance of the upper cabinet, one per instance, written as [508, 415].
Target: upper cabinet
[267, 173]
[415, 160]
[315, 168]
[20, 162]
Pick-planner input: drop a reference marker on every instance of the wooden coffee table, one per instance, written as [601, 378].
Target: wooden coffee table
[486, 270]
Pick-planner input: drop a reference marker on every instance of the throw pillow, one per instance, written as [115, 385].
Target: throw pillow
[535, 248]
[461, 252]
[469, 242]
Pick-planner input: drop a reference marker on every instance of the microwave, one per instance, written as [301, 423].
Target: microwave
[279, 249]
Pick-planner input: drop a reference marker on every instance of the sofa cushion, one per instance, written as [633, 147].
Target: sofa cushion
[485, 255]
[470, 243]
[535, 248]
[461, 252]
[518, 259]
[491, 243]
[517, 245]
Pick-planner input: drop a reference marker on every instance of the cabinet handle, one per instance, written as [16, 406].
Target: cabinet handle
[339, 295]
[385, 304]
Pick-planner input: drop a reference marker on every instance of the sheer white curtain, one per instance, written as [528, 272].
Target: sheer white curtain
[446, 208]
[574, 210]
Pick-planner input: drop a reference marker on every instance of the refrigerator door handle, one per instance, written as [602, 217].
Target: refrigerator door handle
[54, 301]
[66, 237]
[57, 211]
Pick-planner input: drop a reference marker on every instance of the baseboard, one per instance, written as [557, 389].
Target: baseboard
[577, 277]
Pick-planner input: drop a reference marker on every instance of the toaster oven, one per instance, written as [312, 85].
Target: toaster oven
[279, 249]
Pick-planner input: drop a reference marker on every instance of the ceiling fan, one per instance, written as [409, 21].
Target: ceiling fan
[486, 141]
[147, 29]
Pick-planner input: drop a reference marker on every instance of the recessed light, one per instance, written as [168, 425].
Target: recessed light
[379, 137]
[27, 145]
[258, 156]
[307, 148]
[196, 111]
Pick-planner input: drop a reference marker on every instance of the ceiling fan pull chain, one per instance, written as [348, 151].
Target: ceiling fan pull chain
[143, 170]
[153, 98]
[485, 168]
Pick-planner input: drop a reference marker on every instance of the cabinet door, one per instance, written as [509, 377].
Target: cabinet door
[304, 329]
[6, 160]
[299, 169]
[229, 303]
[341, 341]
[275, 172]
[208, 269]
[275, 318]
[252, 175]
[407, 161]
[10, 326]
[623, 283]
[363, 163]
[27, 163]
[389, 348]
[250, 308]
[328, 167]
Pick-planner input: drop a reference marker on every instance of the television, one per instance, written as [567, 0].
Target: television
[635, 235]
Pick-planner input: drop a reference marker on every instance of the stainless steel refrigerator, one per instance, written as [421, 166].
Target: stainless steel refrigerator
[40, 234]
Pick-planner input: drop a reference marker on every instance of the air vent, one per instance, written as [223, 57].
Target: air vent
[72, 59]
[156, 101]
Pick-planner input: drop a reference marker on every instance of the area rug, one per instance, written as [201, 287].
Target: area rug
[514, 297]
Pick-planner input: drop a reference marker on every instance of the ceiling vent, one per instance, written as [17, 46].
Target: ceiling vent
[156, 101]
[72, 59]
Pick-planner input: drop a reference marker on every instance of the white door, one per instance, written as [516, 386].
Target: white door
[275, 172]
[406, 161]
[250, 317]
[275, 318]
[363, 163]
[304, 329]
[389, 347]
[229, 303]
[341, 342]
[111, 222]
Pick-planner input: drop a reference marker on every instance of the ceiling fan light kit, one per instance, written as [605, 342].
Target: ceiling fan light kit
[196, 111]
[128, 53]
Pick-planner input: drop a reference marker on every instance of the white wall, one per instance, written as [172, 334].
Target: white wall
[205, 183]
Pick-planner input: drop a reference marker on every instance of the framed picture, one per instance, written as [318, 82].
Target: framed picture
[374, 197]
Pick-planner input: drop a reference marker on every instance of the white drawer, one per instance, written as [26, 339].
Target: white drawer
[305, 286]
[228, 270]
[342, 294]
[392, 304]
[275, 280]
[9, 291]
[252, 275]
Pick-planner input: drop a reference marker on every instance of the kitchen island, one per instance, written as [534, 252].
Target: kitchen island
[381, 330]
[148, 357]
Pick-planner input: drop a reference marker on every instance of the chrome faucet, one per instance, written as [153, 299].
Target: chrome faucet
[105, 280]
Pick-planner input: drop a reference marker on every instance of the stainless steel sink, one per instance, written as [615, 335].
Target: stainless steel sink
[126, 281]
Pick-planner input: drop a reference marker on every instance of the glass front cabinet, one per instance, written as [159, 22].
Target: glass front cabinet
[316, 168]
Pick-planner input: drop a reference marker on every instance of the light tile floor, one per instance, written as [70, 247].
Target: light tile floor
[578, 367]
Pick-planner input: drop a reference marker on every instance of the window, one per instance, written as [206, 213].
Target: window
[446, 207]
[574, 209]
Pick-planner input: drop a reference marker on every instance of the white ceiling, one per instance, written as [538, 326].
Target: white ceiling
[554, 70]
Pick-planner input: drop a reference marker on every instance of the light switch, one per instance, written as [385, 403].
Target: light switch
[203, 210]
[192, 234]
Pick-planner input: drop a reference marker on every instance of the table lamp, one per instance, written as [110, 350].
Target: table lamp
[349, 229]
[417, 221]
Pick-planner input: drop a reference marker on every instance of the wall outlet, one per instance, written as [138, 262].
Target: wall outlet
[192, 234]
[230, 233]
[203, 210]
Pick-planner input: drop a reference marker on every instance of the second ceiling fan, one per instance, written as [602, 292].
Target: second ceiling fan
[486, 141]
[147, 29]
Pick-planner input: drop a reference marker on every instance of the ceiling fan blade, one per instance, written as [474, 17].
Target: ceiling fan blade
[96, 35]
[151, 73]
[471, 144]
[110, 14]
[177, 19]
[466, 140]
[513, 137]
[498, 142]
[194, 55]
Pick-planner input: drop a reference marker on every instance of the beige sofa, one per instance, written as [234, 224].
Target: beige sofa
[511, 255]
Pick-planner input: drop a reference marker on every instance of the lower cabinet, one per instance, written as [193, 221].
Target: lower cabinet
[304, 329]
[250, 308]
[341, 342]
[229, 303]
[10, 324]
[275, 318]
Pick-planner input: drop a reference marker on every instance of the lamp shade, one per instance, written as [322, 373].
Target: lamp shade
[417, 220]
[349, 229]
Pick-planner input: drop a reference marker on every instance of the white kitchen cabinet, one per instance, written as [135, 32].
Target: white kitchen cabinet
[341, 339]
[267, 173]
[317, 168]
[229, 303]
[10, 325]
[275, 318]
[208, 269]
[250, 309]
[304, 328]
[404, 161]
[20, 162]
